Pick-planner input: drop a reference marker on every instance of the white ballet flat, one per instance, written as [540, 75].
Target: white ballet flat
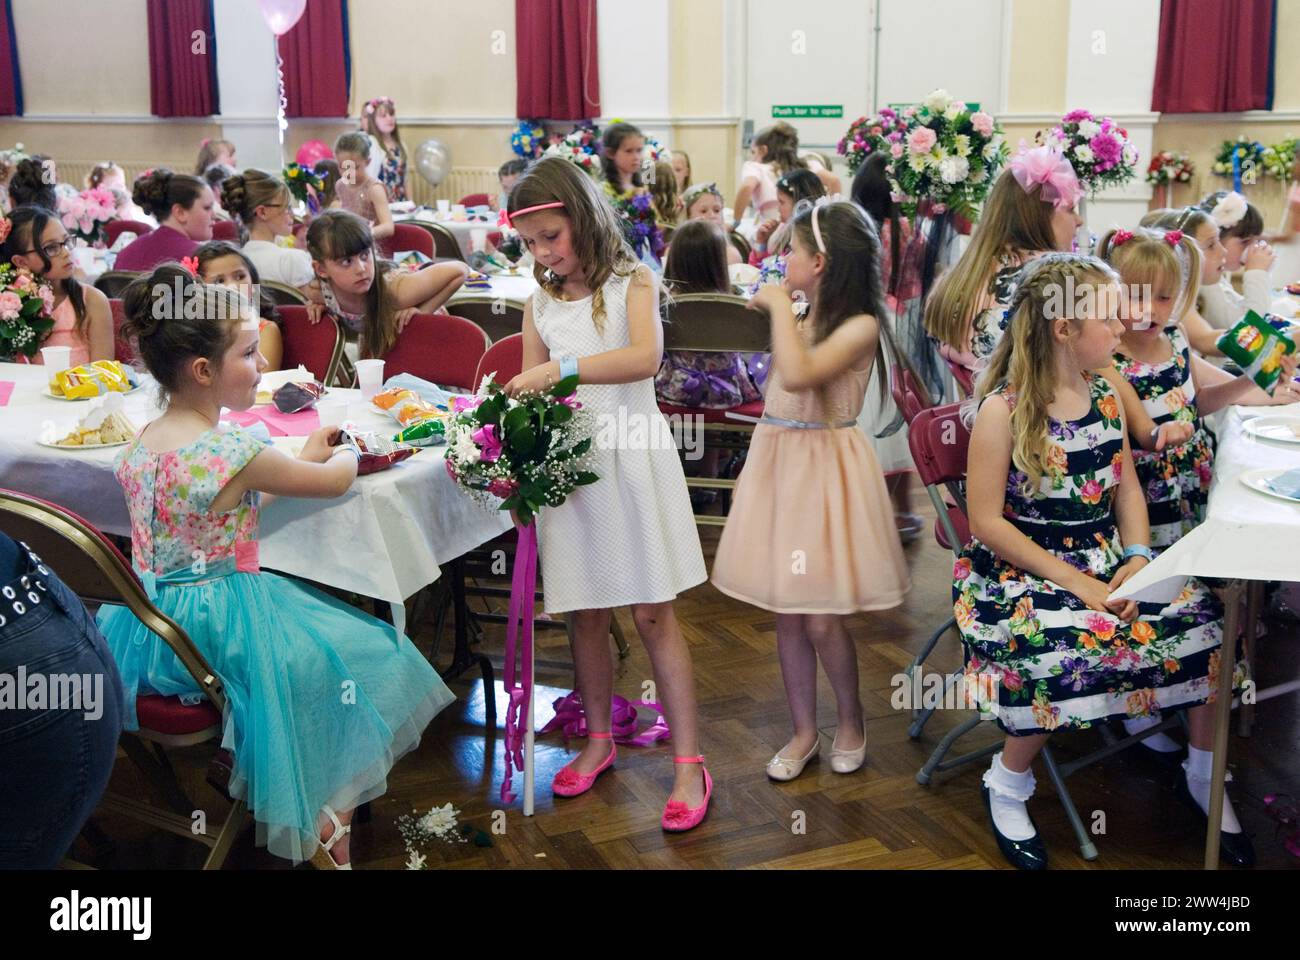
[782, 769]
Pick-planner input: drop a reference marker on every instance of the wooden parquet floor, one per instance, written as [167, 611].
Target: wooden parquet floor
[877, 818]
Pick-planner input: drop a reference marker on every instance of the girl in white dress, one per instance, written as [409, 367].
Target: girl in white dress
[628, 539]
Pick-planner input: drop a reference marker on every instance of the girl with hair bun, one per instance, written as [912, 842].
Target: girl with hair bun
[264, 207]
[183, 207]
[304, 756]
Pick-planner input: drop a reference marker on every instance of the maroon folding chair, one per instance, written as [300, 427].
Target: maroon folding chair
[439, 348]
[964, 377]
[316, 346]
[940, 448]
[115, 228]
[476, 200]
[95, 570]
[505, 357]
[226, 230]
[407, 236]
[909, 396]
[122, 350]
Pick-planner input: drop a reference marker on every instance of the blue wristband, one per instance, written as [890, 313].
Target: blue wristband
[568, 367]
[1138, 550]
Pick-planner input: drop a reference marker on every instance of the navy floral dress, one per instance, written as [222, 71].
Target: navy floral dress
[1175, 481]
[1037, 659]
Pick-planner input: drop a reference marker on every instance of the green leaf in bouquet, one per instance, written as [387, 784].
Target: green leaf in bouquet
[32, 307]
[522, 441]
[515, 419]
[584, 478]
[564, 387]
[580, 448]
[561, 414]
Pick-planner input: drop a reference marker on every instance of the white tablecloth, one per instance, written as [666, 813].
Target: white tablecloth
[1246, 535]
[460, 229]
[385, 538]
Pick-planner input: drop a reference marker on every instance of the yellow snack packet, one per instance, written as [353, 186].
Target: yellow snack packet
[92, 380]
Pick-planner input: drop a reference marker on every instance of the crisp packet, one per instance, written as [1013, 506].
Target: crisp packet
[426, 433]
[295, 397]
[406, 406]
[377, 451]
[1258, 348]
[94, 380]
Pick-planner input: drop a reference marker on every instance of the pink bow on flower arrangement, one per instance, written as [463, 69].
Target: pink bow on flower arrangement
[1047, 168]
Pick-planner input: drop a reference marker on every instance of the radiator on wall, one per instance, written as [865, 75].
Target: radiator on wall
[461, 182]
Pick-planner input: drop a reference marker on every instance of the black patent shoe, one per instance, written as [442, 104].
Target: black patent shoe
[1028, 854]
[1234, 848]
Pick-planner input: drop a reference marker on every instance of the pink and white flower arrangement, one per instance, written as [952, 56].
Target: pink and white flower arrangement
[1169, 166]
[868, 135]
[947, 154]
[1098, 148]
[528, 451]
[581, 148]
[26, 308]
[85, 214]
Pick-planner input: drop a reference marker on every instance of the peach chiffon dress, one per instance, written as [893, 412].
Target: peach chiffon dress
[811, 527]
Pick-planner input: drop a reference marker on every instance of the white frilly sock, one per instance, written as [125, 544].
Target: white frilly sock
[1008, 792]
[1199, 766]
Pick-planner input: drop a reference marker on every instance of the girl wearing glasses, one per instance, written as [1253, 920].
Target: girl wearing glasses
[37, 242]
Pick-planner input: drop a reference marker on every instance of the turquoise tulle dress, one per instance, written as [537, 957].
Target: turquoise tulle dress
[321, 698]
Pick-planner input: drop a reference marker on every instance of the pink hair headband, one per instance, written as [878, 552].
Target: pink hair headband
[504, 218]
[1048, 169]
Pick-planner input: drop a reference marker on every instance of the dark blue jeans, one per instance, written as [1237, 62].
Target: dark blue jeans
[60, 712]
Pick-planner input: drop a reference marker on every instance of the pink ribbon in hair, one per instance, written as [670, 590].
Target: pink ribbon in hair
[1174, 237]
[1120, 238]
[1047, 168]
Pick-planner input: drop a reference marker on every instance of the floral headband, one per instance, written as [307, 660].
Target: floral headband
[1047, 168]
[373, 105]
[695, 190]
[1227, 213]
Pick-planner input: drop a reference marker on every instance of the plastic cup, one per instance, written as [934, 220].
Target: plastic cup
[370, 377]
[444, 208]
[332, 410]
[458, 211]
[56, 359]
[478, 238]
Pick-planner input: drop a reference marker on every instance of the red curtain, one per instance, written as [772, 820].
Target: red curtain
[316, 61]
[1215, 57]
[182, 59]
[11, 81]
[557, 72]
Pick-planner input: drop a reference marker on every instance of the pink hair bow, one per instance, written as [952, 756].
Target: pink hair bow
[1047, 168]
[1174, 237]
[1121, 237]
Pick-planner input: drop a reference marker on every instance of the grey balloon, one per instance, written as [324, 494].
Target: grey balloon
[433, 160]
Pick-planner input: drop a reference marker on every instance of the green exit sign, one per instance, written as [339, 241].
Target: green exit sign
[808, 110]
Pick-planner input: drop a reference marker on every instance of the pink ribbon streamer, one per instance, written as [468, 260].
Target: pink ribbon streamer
[519, 632]
[571, 720]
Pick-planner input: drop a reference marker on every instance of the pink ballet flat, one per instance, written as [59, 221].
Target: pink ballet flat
[678, 817]
[569, 783]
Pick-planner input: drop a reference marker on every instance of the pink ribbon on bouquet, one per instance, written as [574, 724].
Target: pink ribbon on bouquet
[571, 720]
[519, 631]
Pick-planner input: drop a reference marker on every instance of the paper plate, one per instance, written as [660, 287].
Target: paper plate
[54, 396]
[1256, 480]
[88, 446]
[1283, 429]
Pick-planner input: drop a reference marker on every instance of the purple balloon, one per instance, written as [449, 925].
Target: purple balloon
[281, 15]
